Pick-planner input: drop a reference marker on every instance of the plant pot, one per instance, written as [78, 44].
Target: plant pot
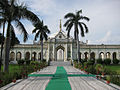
[1, 81]
[103, 75]
[97, 76]
[87, 72]
[14, 80]
[108, 82]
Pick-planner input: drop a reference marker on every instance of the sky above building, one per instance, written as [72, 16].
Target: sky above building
[104, 24]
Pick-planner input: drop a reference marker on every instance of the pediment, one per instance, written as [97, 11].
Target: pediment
[60, 35]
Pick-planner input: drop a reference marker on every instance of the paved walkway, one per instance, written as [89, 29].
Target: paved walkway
[85, 83]
[33, 83]
[77, 83]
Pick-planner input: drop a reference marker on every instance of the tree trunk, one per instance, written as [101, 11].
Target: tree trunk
[6, 50]
[42, 50]
[6, 54]
[78, 49]
[2, 46]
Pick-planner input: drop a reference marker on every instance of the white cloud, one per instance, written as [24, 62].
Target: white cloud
[104, 16]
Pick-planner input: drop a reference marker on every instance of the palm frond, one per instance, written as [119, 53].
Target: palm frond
[34, 30]
[69, 25]
[67, 22]
[78, 12]
[86, 28]
[69, 15]
[84, 18]
[45, 36]
[31, 16]
[82, 30]
[23, 30]
[37, 35]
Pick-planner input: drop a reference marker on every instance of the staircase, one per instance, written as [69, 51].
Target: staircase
[60, 63]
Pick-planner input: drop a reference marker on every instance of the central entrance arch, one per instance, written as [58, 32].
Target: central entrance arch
[60, 55]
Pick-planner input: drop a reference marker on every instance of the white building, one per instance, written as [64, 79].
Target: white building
[59, 47]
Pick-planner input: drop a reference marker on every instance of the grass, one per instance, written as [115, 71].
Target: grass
[114, 68]
[13, 68]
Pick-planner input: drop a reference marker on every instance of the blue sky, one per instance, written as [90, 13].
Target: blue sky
[104, 24]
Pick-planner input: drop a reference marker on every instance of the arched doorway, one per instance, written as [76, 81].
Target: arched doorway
[34, 56]
[101, 56]
[27, 56]
[12, 56]
[92, 56]
[86, 55]
[60, 53]
[18, 56]
[114, 56]
[108, 55]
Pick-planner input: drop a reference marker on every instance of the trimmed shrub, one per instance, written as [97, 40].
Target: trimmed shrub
[27, 62]
[44, 60]
[91, 69]
[99, 61]
[107, 61]
[98, 68]
[116, 61]
[20, 62]
[91, 62]
[83, 60]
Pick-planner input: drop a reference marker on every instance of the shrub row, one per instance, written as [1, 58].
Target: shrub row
[98, 69]
[107, 61]
[21, 71]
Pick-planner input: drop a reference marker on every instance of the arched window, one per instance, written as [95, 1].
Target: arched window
[18, 56]
[108, 55]
[101, 55]
[12, 56]
[27, 56]
[34, 56]
[92, 56]
[86, 55]
[114, 56]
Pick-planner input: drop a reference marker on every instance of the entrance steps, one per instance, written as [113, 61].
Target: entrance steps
[60, 63]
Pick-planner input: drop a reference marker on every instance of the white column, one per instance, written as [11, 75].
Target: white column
[15, 55]
[71, 52]
[48, 56]
[31, 55]
[66, 52]
[54, 53]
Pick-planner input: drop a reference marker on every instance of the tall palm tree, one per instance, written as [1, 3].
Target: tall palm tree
[41, 31]
[75, 20]
[14, 13]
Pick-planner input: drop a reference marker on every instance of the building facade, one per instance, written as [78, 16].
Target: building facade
[60, 47]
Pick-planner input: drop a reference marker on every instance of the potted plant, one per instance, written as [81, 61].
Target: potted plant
[98, 68]
[108, 79]
[97, 76]
[14, 80]
[1, 81]
[103, 72]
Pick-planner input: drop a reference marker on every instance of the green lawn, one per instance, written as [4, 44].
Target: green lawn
[114, 68]
[13, 68]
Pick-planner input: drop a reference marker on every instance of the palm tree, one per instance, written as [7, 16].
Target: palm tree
[41, 31]
[12, 12]
[75, 20]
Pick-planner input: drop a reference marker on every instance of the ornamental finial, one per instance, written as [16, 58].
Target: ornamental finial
[60, 26]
